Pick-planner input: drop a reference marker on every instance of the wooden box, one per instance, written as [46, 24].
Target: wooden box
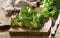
[25, 33]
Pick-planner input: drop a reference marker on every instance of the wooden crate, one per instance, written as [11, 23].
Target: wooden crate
[25, 33]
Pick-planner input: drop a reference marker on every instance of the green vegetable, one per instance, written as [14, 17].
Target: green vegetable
[35, 26]
[36, 23]
[42, 18]
[38, 20]
[46, 13]
[26, 21]
[54, 12]
[23, 11]
[16, 22]
[29, 17]
[50, 7]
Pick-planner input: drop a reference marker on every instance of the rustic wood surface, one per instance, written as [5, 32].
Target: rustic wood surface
[4, 21]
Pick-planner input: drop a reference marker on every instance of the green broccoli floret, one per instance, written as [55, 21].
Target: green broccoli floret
[16, 22]
[54, 12]
[42, 18]
[35, 23]
[46, 13]
[23, 11]
[26, 21]
[35, 26]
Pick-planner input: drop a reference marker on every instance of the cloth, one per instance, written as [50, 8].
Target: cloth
[15, 5]
[7, 6]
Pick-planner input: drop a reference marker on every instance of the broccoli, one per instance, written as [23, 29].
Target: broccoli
[24, 11]
[42, 18]
[46, 13]
[35, 23]
[54, 12]
[29, 17]
[50, 7]
[16, 22]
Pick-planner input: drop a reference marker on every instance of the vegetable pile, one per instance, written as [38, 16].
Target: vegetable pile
[50, 8]
[28, 17]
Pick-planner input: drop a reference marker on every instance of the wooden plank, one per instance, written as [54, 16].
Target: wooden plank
[4, 21]
[42, 32]
[29, 37]
[54, 29]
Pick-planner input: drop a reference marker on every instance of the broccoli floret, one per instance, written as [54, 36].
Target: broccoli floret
[46, 13]
[24, 11]
[16, 22]
[54, 12]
